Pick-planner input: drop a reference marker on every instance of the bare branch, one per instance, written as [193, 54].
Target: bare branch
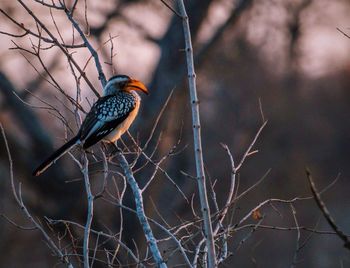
[18, 198]
[232, 188]
[129, 251]
[321, 205]
[343, 33]
[51, 6]
[140, 212]
[252, 231]
[171, 8]
[283, 228]
[90, 212]
[69, 56]
[297, 246]
[268, 201]
[93, 52]
[248, 151]
[208, 229]
[29, 32]
[17, 225]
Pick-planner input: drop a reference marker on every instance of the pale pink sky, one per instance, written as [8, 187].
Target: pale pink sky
[323, 48]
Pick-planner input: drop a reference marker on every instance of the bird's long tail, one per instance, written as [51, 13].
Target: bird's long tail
[56, 155]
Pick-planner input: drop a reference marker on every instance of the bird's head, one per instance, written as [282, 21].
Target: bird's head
[123, 83]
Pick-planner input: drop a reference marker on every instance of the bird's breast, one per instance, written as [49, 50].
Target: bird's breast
[124, 126]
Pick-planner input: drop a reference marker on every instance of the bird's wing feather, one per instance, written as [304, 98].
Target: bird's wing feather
[102, 130]
[105, 115]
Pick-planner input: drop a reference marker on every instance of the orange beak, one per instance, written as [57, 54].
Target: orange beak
[137, 85]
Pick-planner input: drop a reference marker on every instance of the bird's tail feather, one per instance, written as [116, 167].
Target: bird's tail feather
[56, 155]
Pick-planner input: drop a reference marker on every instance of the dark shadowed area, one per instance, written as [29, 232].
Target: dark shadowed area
[284, 61]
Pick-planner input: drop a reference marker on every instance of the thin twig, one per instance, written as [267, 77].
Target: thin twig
[252, 231]
[343, 33]
[93, 52]
[325, 211]
[232, 187]
[69, 56]
[222, 215]
[297, 246]
[18, 198]
[163, 228]
[108, 236]
[90, 212]
[268, 201]
[248, 151]
[287, 229]
[197, 252]
[171, 8]
[17, 225]
[95, 251]
[27, 31]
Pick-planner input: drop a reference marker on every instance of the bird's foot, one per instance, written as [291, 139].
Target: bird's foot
[112, 149]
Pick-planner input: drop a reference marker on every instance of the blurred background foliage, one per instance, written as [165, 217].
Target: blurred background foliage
[285, 54]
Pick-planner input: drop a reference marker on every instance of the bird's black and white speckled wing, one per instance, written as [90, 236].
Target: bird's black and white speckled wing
[105, 115]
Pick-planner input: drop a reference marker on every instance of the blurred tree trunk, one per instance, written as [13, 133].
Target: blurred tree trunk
[170, 70]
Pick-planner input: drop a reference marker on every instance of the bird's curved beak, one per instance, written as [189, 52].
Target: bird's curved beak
[137, 85]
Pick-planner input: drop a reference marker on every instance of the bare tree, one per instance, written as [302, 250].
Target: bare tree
[119, 187]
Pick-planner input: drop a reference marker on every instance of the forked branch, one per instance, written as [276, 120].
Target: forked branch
[151, 241]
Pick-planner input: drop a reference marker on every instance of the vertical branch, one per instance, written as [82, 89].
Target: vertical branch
[208, 229]
[90, 212]
[151, 241]
[297, 247]
[231, 191]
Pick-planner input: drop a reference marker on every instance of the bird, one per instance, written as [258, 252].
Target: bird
[108, 119]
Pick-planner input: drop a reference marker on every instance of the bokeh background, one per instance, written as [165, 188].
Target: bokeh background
[284, 57]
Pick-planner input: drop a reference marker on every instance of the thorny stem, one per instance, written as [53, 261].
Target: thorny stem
[208, 229]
